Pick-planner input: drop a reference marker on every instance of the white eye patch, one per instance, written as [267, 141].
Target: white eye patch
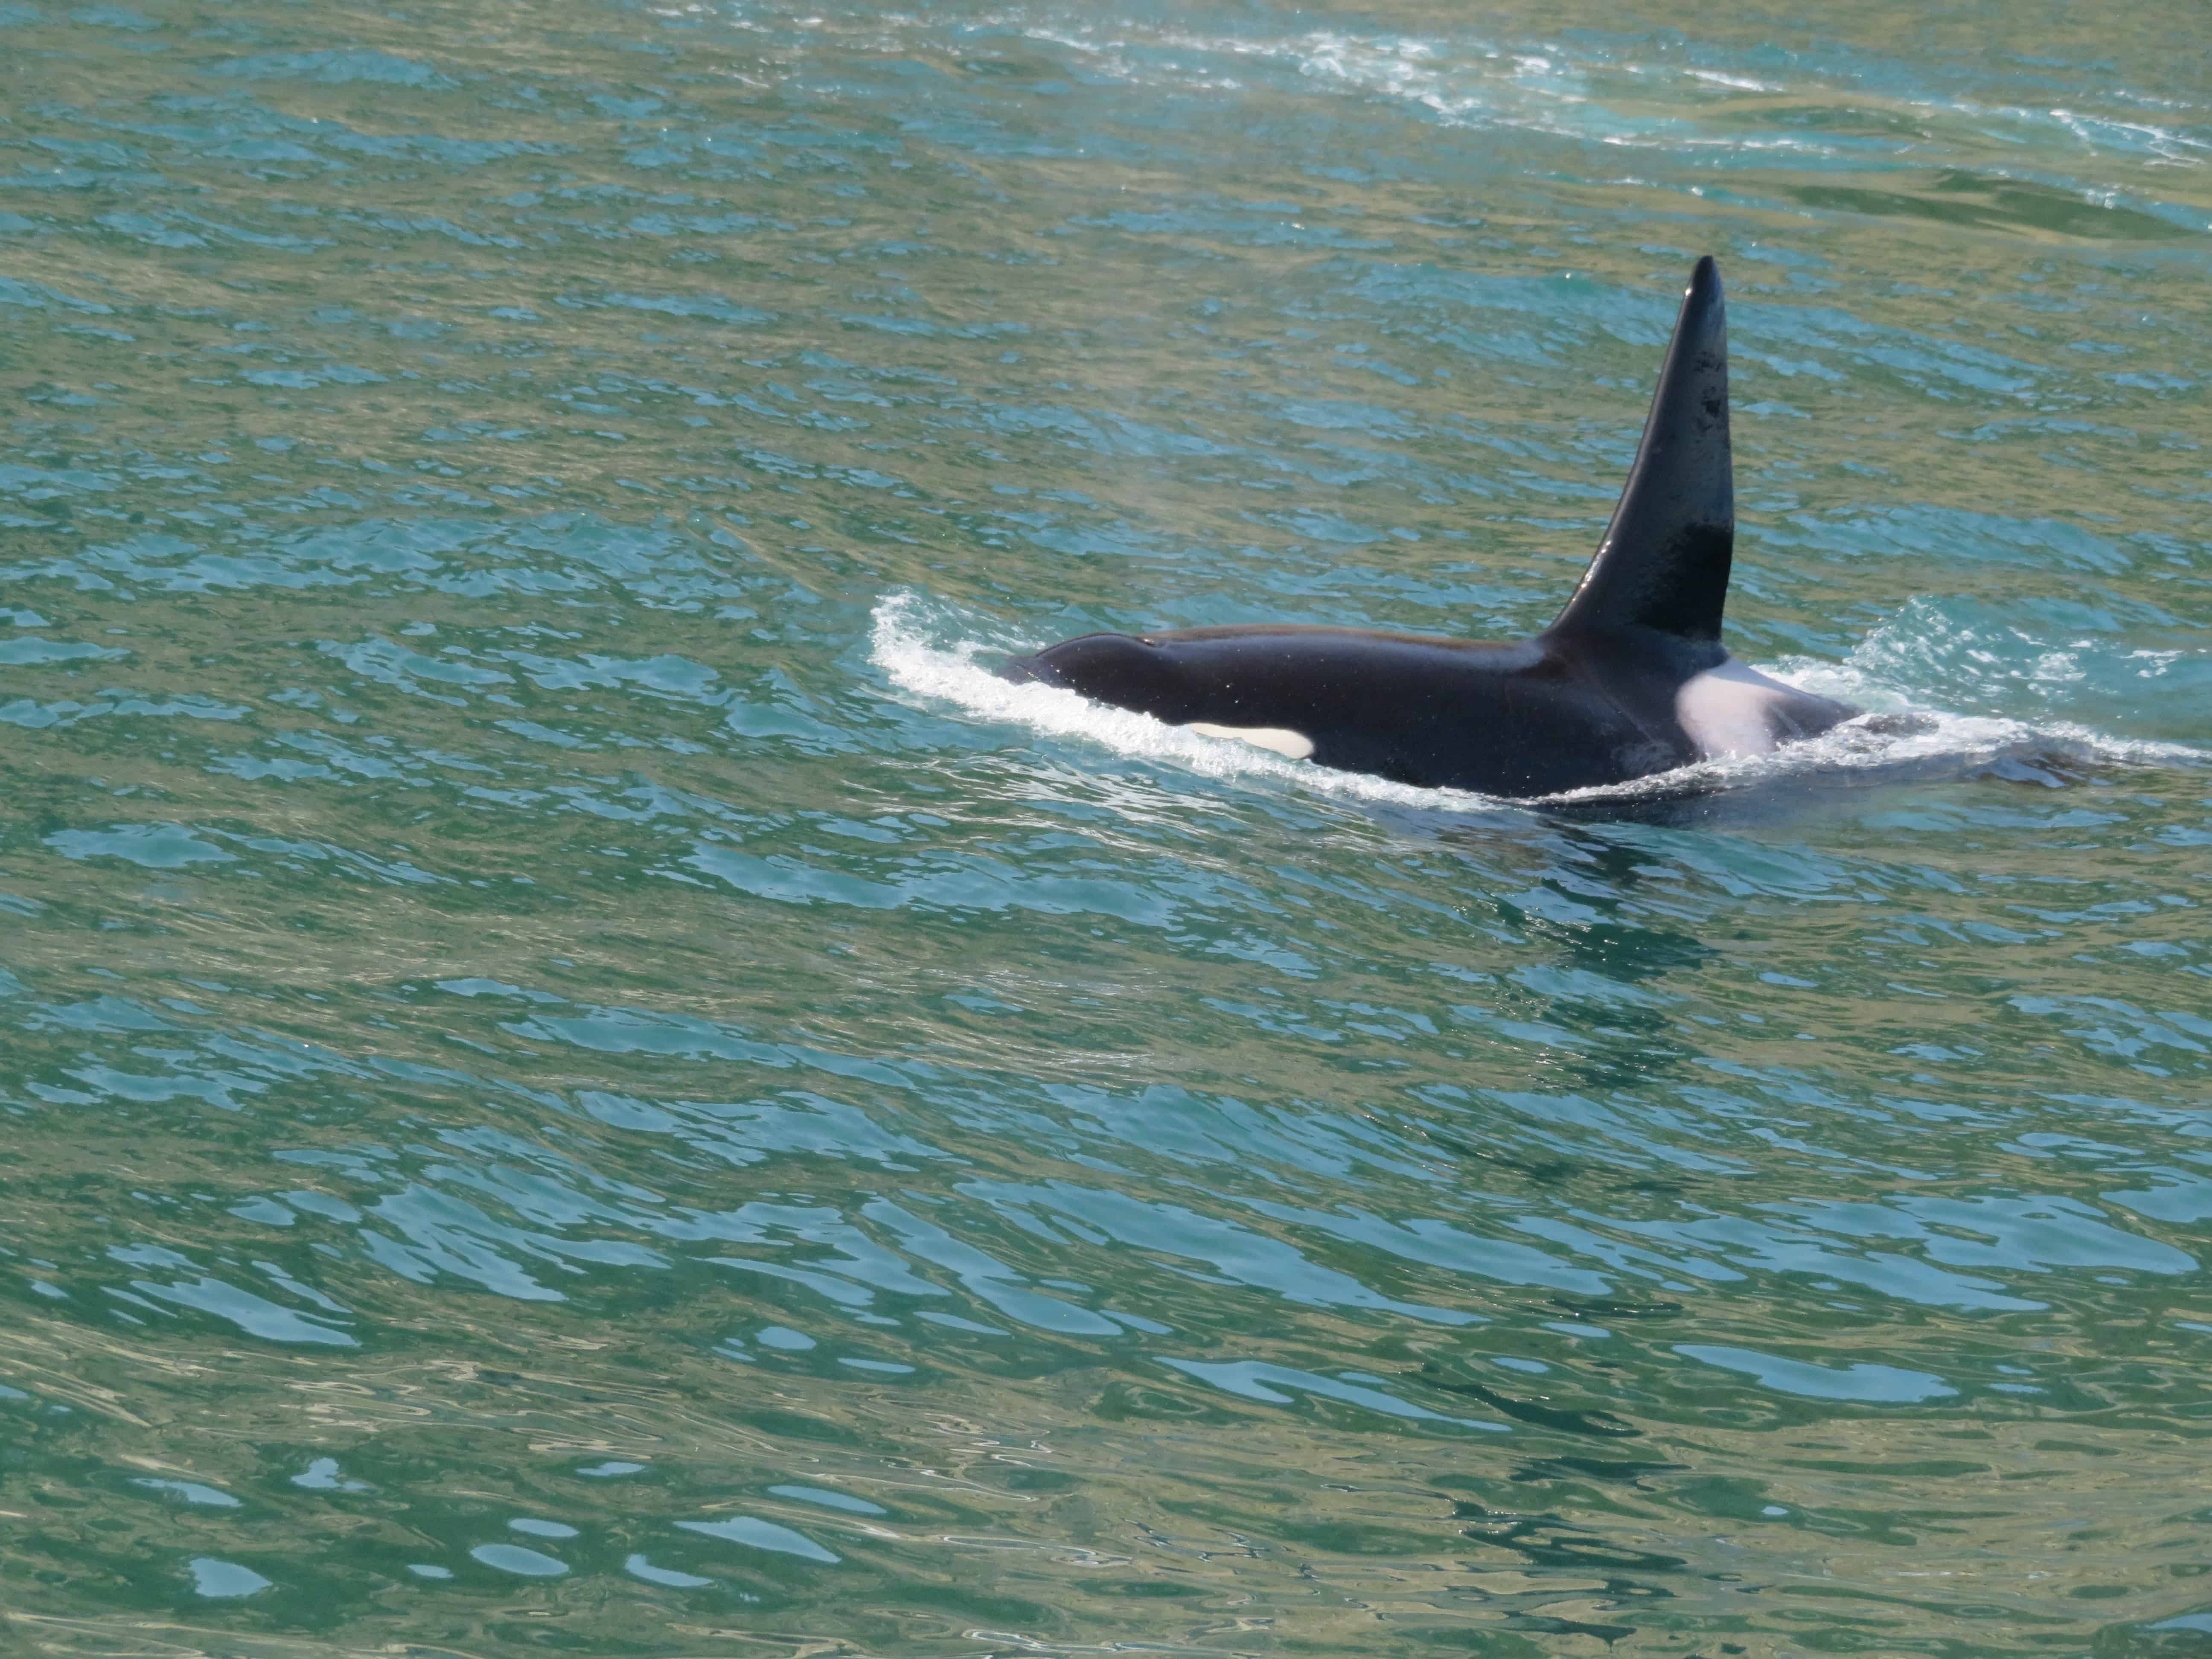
[1290, 746]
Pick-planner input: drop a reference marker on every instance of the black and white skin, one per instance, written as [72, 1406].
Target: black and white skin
[1632, 679]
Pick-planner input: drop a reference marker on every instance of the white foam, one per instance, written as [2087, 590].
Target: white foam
[1895, 731]
[950, 673]
[1470, 81]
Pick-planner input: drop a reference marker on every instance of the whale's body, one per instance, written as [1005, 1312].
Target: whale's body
[1630, 680]
[1556, 712]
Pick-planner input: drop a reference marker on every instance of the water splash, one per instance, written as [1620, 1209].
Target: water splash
[935, 652]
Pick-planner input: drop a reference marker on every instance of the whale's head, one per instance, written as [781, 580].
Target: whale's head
[1122, 669]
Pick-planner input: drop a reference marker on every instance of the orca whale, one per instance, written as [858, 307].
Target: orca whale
[1630, 680]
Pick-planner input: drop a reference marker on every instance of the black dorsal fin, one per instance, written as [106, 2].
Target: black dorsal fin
[1663, 564]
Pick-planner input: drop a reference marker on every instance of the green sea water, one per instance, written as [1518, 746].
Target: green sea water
[579, 1078]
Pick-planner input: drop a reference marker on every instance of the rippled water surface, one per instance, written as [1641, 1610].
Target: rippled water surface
[582, 1078]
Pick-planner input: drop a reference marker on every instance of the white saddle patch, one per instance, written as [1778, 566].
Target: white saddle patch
[1290, 746]
[1725, 710]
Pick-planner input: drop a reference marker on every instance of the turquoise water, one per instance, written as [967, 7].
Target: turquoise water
[581, 1078]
